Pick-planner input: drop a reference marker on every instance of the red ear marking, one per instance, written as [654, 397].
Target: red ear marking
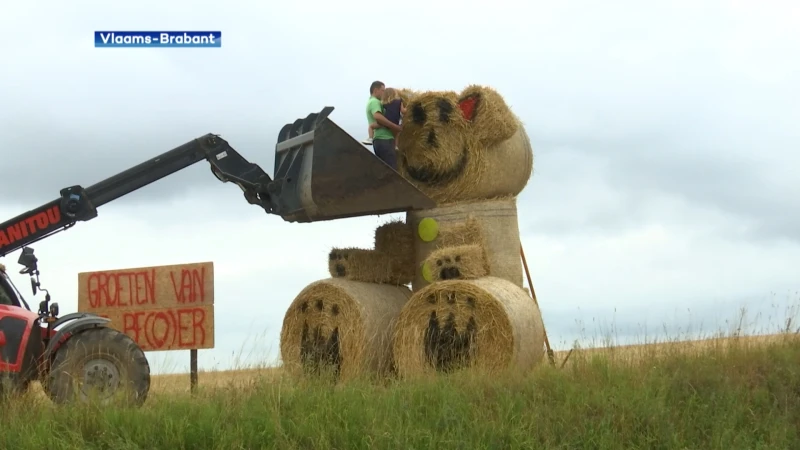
[468, 106]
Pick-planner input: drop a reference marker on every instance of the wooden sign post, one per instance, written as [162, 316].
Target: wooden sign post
[160, 307]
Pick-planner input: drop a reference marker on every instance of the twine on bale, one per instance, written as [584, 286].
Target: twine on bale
[488, 324]
[341, 327]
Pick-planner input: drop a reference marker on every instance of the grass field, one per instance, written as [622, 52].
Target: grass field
[724, 393]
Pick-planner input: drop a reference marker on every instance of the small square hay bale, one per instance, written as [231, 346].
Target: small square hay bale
[394, 238]
[370, 266]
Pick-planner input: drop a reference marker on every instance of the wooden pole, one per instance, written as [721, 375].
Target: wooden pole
[566, 358]
[550, 355]
[193, 369]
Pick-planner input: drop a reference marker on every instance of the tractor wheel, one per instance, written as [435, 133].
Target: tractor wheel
[99, 365]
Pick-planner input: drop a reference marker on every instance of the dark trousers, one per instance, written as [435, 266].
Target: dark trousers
[384, 149]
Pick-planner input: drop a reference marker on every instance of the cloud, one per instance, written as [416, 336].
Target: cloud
[665, 137]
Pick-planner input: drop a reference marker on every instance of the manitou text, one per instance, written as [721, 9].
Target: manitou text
[161, 307]
[38, 222]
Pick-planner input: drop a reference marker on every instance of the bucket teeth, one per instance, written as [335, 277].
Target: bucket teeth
[323, 173]
[301, 126]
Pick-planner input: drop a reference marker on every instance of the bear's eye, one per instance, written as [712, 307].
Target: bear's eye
[418, 114]
[445, 109]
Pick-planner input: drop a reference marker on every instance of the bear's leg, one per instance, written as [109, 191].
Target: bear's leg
[370, 266]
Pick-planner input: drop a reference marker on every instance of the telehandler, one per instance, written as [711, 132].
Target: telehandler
[321, 173]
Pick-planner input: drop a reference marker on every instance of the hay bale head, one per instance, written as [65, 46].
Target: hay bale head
[460, 262]
[467, 146]
[341, 326]
[488, 323]
[442, 232]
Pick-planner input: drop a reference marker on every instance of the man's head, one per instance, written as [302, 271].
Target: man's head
[376, 89]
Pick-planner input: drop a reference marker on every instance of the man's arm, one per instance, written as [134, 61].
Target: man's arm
[375, 111]
[381, 119]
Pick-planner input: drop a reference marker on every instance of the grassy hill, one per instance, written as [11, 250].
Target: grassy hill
[735, 393]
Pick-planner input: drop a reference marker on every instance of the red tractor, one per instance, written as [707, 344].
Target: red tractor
[75, 357]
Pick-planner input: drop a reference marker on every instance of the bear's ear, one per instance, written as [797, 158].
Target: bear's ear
[489, 117]
[469, 106]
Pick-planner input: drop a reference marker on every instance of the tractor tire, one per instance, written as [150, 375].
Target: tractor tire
[99, 365]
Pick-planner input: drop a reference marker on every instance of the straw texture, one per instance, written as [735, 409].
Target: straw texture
[341, 326]
[491, 224]
[489, 324]
[466, 146]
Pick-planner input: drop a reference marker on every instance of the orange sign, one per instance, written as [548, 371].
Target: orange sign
[160, 307]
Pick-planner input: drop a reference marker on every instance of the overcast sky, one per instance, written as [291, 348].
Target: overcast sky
[665, 191]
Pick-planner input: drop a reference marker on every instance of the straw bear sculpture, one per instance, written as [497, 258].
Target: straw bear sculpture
[471, 154]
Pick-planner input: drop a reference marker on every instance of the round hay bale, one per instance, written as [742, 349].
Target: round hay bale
[489, 324]
[457, 147]
[342, 326]
[498, 232]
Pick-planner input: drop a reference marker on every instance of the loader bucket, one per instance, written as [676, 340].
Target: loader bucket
[323, 173]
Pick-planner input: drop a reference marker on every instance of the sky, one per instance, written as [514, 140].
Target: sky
[665, 194]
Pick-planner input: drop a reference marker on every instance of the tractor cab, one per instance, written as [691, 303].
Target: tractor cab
[7, 295]
[10, 295]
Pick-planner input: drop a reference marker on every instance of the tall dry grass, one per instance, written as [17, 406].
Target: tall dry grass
[729, 391]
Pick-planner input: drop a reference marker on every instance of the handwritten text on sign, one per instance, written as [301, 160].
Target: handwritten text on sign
[161, 307]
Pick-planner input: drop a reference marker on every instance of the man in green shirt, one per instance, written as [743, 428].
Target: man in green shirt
[383, 139]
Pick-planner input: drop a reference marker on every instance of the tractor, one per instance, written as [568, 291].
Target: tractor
[75, 357]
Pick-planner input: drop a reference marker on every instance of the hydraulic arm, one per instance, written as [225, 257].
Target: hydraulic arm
[78, 204]
[321, 173]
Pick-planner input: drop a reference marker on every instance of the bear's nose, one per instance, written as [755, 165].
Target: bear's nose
[432, 141]
[449, 273]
